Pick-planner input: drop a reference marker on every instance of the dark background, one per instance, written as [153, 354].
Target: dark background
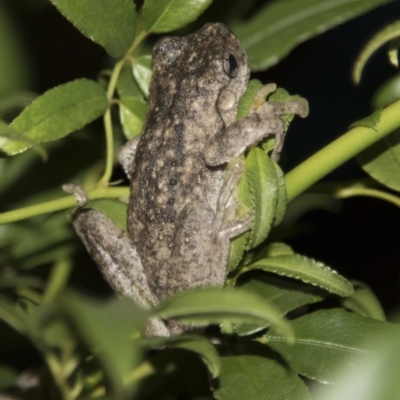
[361, 238]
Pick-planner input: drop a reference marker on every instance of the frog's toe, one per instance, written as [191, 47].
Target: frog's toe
[77, 191]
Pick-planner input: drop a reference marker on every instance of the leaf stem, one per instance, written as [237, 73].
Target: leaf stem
[60, 204]
[339, 151]
[58, 278]
[105, 179]
[347, 192]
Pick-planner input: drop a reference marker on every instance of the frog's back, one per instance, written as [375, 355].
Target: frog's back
[169, 169]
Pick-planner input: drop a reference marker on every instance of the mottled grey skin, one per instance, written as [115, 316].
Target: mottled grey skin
[180, 217]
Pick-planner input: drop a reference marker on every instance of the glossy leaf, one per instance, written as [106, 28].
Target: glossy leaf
[161, 16]
[114, 209]
[307, 270]
[262, 181]
[205, 306]
[126, 84]
[282, 201]
[387, 34]
[132, 111]
[56, 113]
[111, 24]
[196, 344]
[382, 161]
[238, 245]
[364, 302]
[287, 295]
[372, 376]
[327, 340]
[388, 93]
[247, 98]
[281, 25]
[251, 371]
[141, 70]
[108, 329]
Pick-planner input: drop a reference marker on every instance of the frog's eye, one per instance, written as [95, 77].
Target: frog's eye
[231, 66]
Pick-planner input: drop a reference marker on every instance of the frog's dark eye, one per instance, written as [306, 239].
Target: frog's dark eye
[231, 66]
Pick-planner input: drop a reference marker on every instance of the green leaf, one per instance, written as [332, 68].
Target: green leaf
[57, 113]
[388, 93]
[126, 84]
[108, 329]
[251, 371]
[196, 344]
[205, 306]
[364, 302]
[282, 201]
[16, 101]
[9, 315]
[7, 134]
[281, 25]
[307, 270]
[238, 245]
[21, 280]
[113, 209]
[111, 24]
[273, 250]
[141, 70]
[39, 240]
[262, 181]
[160, 16]
[247, 98]
[373, 376]
[382, 161]
[8, 375]
[387, 34]
[132, 111]
[285, 294]
[327, 340]
[14, 64]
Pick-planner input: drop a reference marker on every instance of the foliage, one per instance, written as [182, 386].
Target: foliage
[282, 316]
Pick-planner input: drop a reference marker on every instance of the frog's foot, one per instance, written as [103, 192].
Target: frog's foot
[298, 107]
[77, 191]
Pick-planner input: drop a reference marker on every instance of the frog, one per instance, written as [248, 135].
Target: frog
[182, 209]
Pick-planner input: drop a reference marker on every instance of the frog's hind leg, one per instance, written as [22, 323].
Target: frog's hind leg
[112, 250]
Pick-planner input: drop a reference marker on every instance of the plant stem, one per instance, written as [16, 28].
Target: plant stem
[347, 192]
[60, 204]
[341, 150]
[107, 116]
[58, 279]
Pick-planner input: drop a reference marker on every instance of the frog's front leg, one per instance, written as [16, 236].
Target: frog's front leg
[245, 133]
